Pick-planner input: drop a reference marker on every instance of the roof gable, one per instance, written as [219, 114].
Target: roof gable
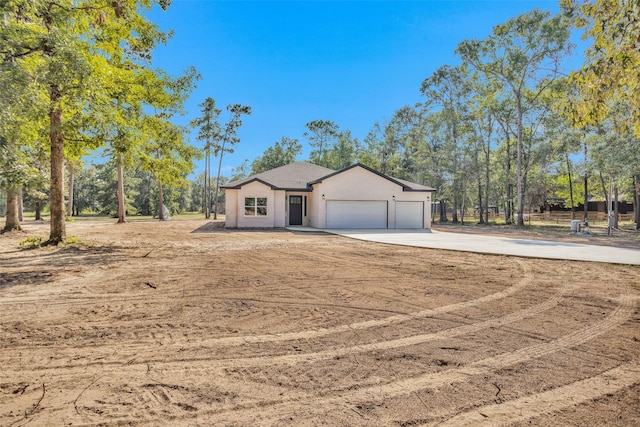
[406, 185]
[302, 175]
[294, 176]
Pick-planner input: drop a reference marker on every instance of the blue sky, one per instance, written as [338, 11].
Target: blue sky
[352, 62]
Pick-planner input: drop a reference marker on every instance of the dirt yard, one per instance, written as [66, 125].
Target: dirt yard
[182, 323]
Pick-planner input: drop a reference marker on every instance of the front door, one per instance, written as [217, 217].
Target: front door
[295, 210]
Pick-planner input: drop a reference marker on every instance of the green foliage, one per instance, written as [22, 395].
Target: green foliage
[610, 73]
[321, 135]
[523, 56]
[343, 153]
[31, 242]
[72, 240]
[279, 154]
[84, 69]
[209, 130]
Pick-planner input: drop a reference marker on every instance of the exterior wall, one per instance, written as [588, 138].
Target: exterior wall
[360, 184]
[231, 208]
[274, 207]
[354, 184]
[416, 196]
[280, 208]
[316, 204]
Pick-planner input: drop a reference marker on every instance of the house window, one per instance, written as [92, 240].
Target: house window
[255, 206]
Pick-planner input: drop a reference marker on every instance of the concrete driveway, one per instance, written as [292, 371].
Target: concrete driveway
[496, 245]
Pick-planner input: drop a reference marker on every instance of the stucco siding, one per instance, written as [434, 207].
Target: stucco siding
[346, 188]
[360, 184]
[417, 196]
[280, 208]
[258, 190]
[231, 208]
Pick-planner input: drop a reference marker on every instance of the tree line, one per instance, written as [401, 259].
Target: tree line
[507, 127]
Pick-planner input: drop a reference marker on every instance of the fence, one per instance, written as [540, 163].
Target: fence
[557, 217]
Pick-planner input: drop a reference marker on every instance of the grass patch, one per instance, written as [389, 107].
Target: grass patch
[31, 242]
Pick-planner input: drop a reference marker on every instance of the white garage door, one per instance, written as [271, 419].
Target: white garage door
[409, 214]
[356, 214]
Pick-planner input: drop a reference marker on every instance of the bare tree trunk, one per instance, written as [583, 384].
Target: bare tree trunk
[462, 204]
[586, 197]
[20, 205]
[207, 185]
[616, 210]
[573, 205]
[636, 199]
[456, 205]
[508, 212]
[12, 221]
[58, 230]
[38, 210]
[120, 192]
[443, 210]
[486, 177]
[160, 202]
[519, 178]
[70, 200]
[215, 197]
[480, 207]
[605, 192]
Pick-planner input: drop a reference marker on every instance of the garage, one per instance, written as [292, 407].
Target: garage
[356, 214]
[409, 214]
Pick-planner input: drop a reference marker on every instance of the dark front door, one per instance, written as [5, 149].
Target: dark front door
[295, 210]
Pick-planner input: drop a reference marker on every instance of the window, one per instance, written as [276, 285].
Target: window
[255, 206]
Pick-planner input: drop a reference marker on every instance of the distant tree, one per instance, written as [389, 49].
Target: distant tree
[241, 171]
[344, 152]
[483, 121]
[12, 174]
[403, 134]
[209, 132]
[86, 190]
[78, 50]
[436, 159]
[372, 152]
[228, 141]
[279, 154]
[321, 135]
[448, 92]
[164, 150]
[524, 56]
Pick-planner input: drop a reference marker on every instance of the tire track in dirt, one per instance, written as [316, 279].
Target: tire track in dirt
[364, 348]
[376, 346]
[527, 279]
[381, 392]
[402, 342]
[209, 364]
[531, 406]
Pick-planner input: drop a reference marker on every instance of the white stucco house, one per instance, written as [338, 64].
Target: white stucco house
[304, 194]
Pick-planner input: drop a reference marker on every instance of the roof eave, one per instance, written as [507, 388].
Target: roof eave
[239, 186]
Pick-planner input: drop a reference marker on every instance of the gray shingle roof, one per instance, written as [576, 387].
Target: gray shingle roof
[406, 185]
[413, 186]
[300, 175]
[294, 176]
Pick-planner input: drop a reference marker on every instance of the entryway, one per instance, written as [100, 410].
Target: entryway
[295, 210]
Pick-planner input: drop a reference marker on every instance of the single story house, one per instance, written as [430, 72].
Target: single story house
[309, 195]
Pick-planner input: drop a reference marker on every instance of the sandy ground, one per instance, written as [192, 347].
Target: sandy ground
[182, 323]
